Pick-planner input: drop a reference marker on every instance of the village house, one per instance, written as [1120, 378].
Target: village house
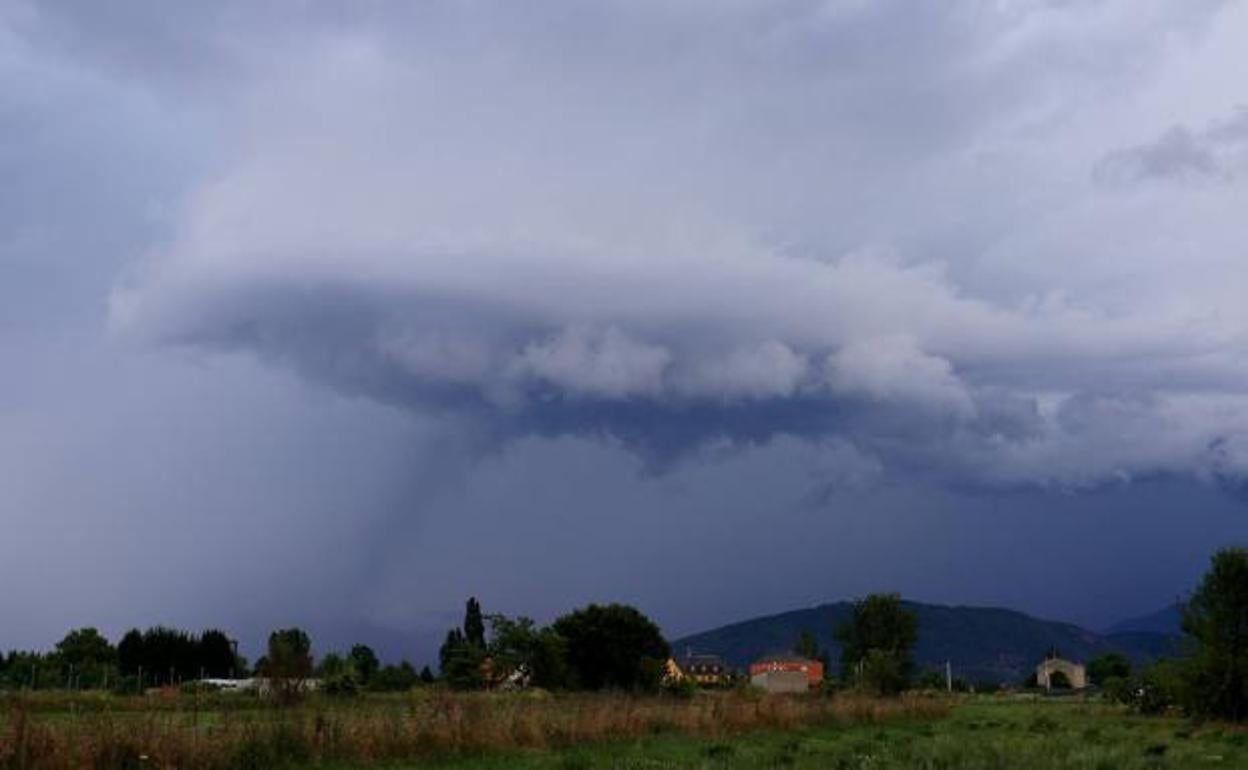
[704, 670]
[786, 673]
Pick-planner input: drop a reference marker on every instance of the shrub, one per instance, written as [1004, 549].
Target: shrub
[1160, 688]
[1118, 689]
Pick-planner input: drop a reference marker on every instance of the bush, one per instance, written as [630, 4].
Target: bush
[931, 680]
[398, 678]
[1160, 689]
[684, 687]
[341, 684]
[1118, 689]
[1108, 666]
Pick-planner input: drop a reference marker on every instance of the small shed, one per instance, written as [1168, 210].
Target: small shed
[1075, 673]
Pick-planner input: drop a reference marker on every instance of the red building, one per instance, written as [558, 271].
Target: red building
[813, 669]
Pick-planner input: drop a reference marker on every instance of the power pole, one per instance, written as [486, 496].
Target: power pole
[948, 676]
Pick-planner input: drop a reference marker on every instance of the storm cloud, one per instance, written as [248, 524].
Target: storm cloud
[848, 255]
[716, 220]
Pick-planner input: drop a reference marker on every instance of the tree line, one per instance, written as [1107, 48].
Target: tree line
[161, 656]
[85, 659]
[615, 646]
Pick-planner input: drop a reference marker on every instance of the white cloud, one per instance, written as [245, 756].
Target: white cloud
[769, 370]
[894, 369]
[586, 362]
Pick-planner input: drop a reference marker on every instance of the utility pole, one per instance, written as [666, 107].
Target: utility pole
[948, 676]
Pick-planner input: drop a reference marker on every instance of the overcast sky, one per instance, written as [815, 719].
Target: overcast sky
[335, 314]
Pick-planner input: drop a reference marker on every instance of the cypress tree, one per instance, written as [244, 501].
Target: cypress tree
[474, 624]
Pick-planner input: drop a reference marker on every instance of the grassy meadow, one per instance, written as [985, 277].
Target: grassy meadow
[730, 730]
[988, 733]
[50, 731]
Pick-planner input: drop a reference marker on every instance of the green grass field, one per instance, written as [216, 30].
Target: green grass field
[979, 734]
[480, 732]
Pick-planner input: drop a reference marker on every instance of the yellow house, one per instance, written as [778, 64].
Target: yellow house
[672, 672]
[704, 670]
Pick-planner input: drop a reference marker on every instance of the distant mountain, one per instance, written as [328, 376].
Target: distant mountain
[1167, 620]
[982, 643]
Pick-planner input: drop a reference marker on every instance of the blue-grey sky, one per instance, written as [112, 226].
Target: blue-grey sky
[336, 314]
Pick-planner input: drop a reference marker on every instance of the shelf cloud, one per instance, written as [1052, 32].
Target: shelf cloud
[720, 218]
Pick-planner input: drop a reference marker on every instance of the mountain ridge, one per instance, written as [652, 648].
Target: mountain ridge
[988, 644]
[1167, 620]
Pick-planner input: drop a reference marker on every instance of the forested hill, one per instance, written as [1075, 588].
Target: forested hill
[982, 643]
[1167, 620]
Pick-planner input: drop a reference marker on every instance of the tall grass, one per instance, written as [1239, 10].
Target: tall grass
[384, 729]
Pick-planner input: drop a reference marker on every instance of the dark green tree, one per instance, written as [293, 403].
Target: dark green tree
[288, 663]
[398, 678]
[85, 657]
[365, 662]
[332, 665]
[338, 676]
[612, 646]
[463, 654]
[450, 648]
[807, 646]
[519, 645]
[1215, 620]
[1108, 666]
[85, 646]
[474, 624]
[168, 656]
[876, 644]
[216, 657]
[426, 676]
[462, 663]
